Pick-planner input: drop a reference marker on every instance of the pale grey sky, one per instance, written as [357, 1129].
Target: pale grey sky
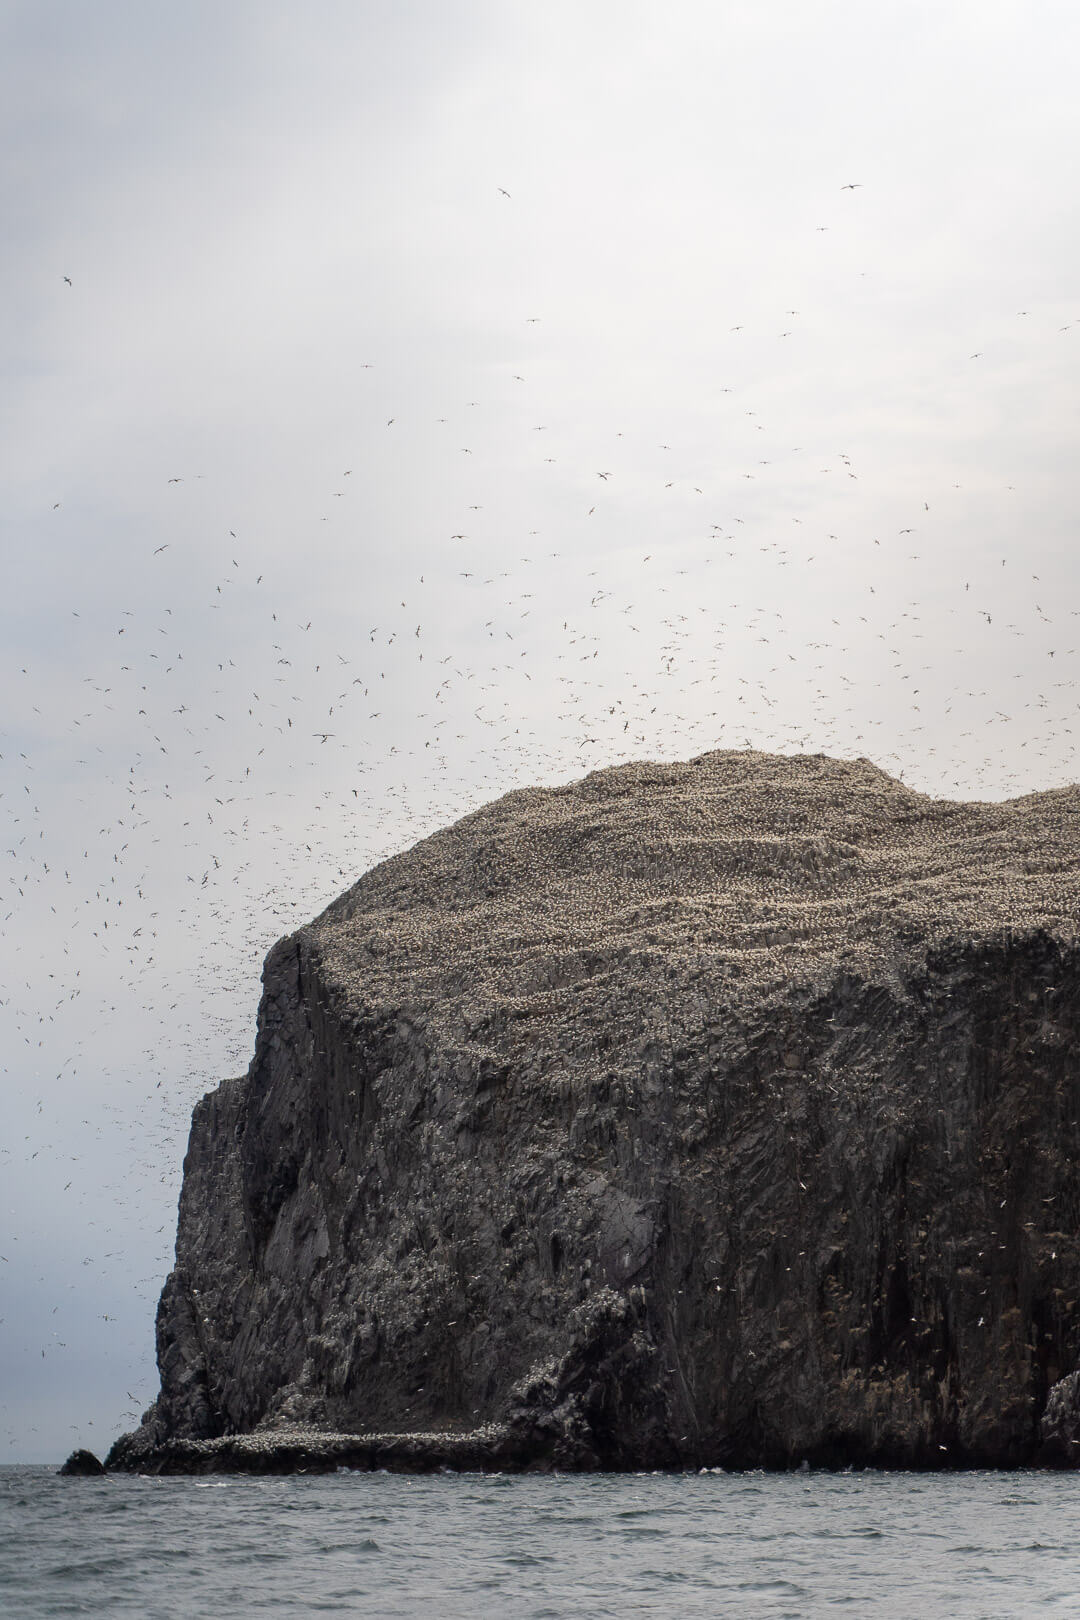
[748, 416]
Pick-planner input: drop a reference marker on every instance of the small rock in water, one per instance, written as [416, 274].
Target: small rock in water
[82, 1464]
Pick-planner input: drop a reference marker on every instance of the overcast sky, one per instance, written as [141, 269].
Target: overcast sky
[403, 402]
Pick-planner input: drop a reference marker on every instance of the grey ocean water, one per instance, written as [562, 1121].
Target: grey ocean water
[540, 1547]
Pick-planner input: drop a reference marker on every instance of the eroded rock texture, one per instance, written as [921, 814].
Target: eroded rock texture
[723, 1112]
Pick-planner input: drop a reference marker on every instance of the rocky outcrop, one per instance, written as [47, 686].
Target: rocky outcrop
[83, 1465]
[723, 1113]
[1059, 1429]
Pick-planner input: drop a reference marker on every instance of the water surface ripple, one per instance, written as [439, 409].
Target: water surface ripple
[966, 1546]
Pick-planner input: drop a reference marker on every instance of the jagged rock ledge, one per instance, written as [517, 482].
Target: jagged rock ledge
[492, 1448]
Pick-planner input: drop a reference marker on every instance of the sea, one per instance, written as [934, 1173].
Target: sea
[540, 1547]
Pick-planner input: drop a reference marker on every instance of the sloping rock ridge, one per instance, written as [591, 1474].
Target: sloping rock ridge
[715, 1114]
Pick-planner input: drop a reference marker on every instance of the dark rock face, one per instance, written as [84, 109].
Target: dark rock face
[726, 1113]
[1059, 1430]
[83, 1465]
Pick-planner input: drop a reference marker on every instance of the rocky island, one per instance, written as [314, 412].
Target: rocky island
[723, 1113]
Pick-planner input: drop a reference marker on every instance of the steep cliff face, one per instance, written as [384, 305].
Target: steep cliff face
[719, 1113]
